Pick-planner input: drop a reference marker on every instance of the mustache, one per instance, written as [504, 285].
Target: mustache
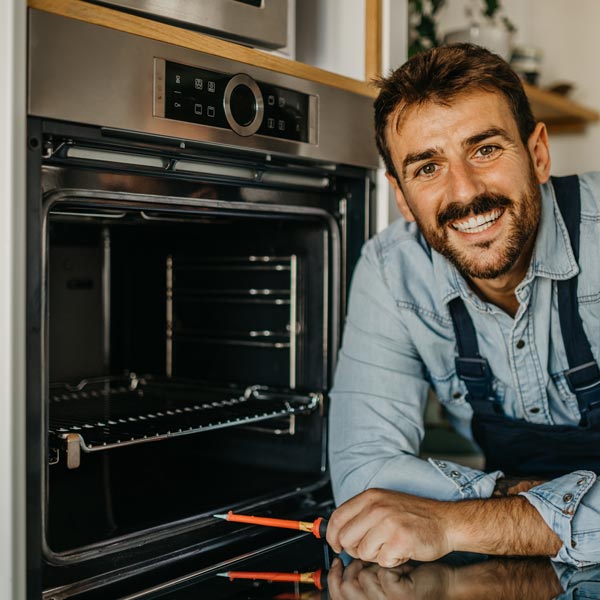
[479, 205]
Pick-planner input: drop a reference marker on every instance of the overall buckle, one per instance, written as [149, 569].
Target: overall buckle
[583, 378]
[584, 382]
[477, 376]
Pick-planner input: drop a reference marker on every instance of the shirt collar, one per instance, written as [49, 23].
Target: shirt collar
[552, 255]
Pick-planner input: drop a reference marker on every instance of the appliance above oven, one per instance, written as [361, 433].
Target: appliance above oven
[262, 23]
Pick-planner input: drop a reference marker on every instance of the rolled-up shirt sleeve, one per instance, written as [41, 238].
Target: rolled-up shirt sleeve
[378, 401]
[570, 506]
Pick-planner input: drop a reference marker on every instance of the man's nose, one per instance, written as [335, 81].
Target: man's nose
[465, 183]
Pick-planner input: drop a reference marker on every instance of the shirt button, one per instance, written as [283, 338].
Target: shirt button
[581, 481]
[456, 395]
[441, 464]
[534, 410]
[567, 498]
[454, 474]
[520, 344]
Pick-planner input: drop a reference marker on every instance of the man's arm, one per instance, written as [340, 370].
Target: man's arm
[376, 417]
[511, 486]
[379, 397]
[390, 528]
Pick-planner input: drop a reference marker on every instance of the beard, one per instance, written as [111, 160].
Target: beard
[488, 260]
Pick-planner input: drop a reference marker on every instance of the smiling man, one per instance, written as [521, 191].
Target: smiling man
[487, 291]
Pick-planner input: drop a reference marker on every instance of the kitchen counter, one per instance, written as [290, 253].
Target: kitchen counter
[458, 576]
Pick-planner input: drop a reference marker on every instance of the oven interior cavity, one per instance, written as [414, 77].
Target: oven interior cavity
[186, 362]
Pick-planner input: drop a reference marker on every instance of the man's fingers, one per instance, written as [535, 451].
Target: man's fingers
[334, 579]
[369, 582]
[345, 513]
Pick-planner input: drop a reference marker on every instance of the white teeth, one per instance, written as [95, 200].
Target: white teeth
[478, 223]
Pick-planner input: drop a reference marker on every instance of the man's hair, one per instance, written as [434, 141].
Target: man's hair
[440, 75]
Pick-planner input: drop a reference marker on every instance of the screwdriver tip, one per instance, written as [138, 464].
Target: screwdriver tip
[220, 517]
[222, 574]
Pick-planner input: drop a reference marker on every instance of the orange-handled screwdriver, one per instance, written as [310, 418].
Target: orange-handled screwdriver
[318, 527]
[318, 578]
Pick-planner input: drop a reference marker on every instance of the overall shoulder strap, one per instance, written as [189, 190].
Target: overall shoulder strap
[471, 367]
[583, 375]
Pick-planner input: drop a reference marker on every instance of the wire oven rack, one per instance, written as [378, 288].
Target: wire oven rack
[110, 412]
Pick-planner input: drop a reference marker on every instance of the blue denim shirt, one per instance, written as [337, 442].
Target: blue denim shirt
[399, 341]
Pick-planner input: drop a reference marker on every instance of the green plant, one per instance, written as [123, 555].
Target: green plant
[492, 11]
[423, 25]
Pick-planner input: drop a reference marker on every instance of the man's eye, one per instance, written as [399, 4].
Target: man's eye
[428, 169]
[487, 150]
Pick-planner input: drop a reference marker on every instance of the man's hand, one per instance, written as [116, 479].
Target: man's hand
[509, 579]
[390, 528]
[367, 581]
[512, 486]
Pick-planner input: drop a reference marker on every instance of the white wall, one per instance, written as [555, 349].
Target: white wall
[12, 299]
[567, 32]
[331, 35]
[394, 34]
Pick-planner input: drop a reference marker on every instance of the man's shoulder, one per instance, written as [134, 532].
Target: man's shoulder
[589, 184]
[405, 264]
[399, 236]
[397, 240]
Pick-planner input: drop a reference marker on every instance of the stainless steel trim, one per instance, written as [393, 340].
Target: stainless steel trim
[263, 26]
[115, 157]
[313, 125]
[158, 104]
[169, 332]
[188, 166]
[253, 127]
[326, 300]
[103, 215]
[293, 319]
[111, 85]
[343, 210]
[295, 179]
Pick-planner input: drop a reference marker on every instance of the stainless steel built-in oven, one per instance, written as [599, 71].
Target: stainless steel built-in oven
[192, 226]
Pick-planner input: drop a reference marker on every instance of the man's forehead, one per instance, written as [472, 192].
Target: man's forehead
[481, 111]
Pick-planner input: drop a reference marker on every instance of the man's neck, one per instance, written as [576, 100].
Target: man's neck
[501, 290]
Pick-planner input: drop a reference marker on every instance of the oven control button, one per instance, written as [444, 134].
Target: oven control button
[243, 104]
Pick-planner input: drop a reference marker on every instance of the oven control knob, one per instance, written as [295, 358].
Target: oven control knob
[243, 104]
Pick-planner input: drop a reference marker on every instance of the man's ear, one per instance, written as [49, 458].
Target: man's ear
[400, 199]
[539, 150]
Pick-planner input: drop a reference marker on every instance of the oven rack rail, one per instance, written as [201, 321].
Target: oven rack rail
[92, 418]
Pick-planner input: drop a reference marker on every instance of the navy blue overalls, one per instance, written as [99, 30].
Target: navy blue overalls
[516, 446]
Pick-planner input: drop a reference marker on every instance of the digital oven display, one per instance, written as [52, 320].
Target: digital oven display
[235, 102]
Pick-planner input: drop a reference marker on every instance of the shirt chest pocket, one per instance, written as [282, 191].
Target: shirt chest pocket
[451, 391]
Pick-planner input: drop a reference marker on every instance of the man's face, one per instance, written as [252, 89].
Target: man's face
[468, 181]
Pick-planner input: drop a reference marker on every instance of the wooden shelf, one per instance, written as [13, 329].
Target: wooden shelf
[559, 113]
[128, 23]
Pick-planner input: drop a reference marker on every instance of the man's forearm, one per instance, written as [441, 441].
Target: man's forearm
[499, 526]
[392, 527]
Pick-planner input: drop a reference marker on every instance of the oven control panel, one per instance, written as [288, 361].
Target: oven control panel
[235, 102]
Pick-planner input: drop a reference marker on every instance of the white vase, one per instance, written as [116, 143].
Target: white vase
[493, 37]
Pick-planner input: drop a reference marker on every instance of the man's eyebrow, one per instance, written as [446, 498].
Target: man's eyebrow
[414, 157]
[484, 135]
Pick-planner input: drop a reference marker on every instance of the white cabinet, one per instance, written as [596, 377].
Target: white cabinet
[12, 299]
